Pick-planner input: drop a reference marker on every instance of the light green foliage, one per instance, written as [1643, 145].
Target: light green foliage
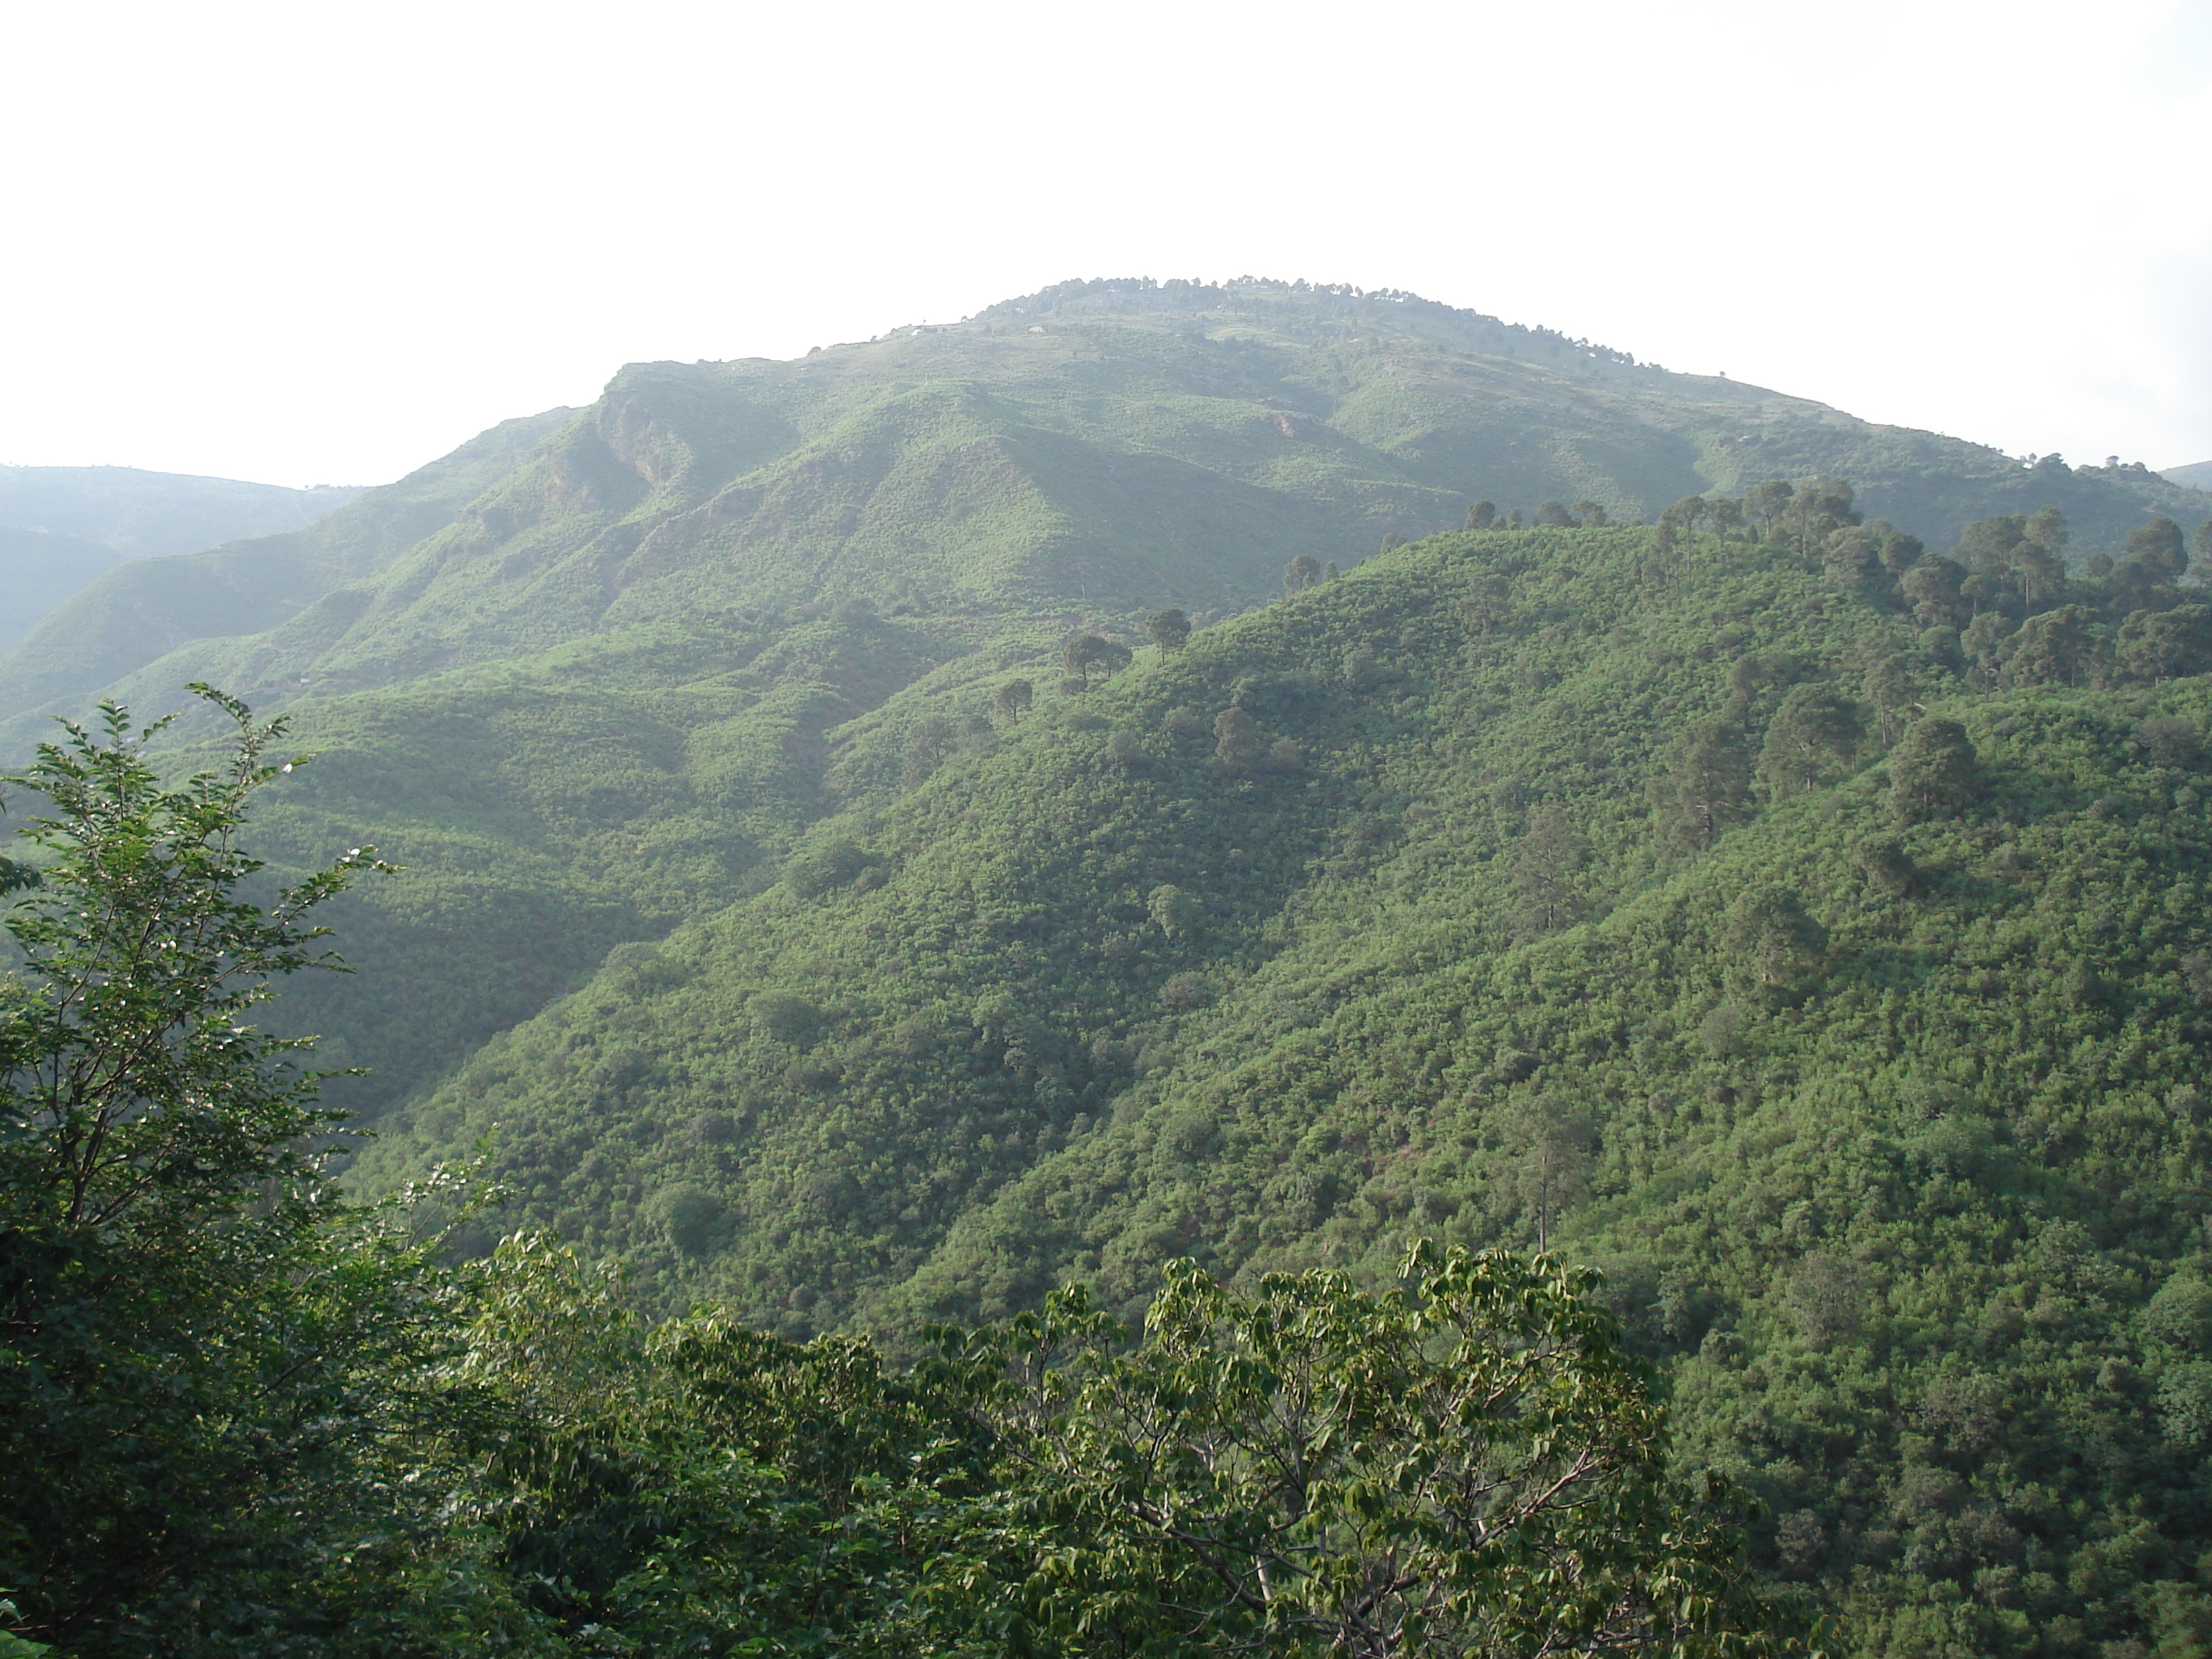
[1833, 1079]
[1469, 1465]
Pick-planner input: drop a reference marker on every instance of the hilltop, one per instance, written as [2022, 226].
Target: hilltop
[1095, 447]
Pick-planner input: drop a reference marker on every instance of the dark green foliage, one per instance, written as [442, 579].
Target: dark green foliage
[2159, 544]
[1812, 740]
[208, 1357]
[1457, 1468]
[1012, 700]
[2056, 647]
[1086, 655]
[2162, 645]
[1706, 787]
[1471, 1461]
[1547, 865]
[1932, 772]
[1169, 629]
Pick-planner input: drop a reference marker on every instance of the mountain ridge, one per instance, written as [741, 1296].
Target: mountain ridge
[1179, 456]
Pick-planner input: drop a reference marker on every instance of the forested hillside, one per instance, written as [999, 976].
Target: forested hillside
[1805, 927]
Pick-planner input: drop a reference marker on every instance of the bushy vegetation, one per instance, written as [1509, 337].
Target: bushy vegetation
[244, 1416]
[1831, 973]
[782, 578]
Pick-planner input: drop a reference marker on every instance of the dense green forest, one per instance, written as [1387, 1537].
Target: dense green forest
[967, 830]
[243, 1415]
[1802, 926]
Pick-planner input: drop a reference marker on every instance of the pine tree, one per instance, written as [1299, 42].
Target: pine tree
[1706, 786]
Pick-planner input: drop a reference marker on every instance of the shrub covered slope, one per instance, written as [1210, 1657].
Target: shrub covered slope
[1703, 904]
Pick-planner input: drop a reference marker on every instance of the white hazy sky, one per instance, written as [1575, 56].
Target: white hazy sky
[308, 243]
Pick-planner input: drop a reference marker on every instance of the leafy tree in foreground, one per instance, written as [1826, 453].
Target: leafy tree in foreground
[1470, 1465]
[1169, 629]
[203, 1352]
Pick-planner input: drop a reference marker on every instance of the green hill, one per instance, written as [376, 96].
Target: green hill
[773, 574]
[2197, 477]
[1514, 887]
[1099, 446]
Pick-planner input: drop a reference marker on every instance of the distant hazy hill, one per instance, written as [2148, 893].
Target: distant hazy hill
[60, 527]
[37, 570]
[135, 610]
[2198, 476]
[147, 514]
